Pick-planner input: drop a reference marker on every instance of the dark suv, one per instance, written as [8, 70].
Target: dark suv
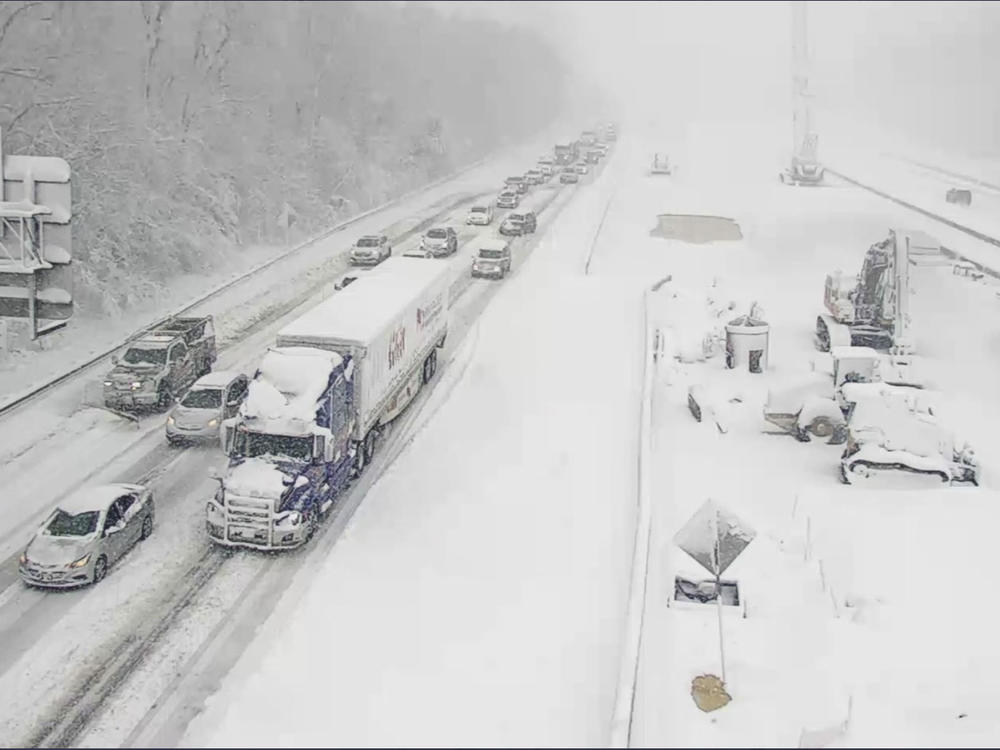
[519, 222]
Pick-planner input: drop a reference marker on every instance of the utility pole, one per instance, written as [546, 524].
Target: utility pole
[805, 168]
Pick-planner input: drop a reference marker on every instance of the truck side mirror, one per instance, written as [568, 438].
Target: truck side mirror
[228, 438]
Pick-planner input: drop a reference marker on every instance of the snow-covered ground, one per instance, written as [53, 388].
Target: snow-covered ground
[864, 617]
[478, 595]
[51, 641]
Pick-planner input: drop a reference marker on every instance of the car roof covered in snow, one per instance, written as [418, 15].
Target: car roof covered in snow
[217, 379]
[493, 244]
[93, 498]
[154, 340]
[362, 311]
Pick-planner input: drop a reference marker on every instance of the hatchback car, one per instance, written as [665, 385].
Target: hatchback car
[481, 215]
[493, 259]
[212, 398]
[370, 250]
[508, 199]
[569, 176]
[440, 241]
[518, 223]
[533, 177]
[581, 168]
[87, 532]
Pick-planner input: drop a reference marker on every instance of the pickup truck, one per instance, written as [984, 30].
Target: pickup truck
[161, 364]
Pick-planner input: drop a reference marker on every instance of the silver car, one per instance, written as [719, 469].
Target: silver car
[212, 398]
[86, 533]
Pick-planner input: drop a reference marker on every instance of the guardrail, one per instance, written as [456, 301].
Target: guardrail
[624, 708]
[25, 396]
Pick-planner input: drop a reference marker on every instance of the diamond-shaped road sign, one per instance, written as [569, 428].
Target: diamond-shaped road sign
[714, 537]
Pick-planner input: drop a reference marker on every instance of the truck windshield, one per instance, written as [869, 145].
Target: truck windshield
[67, 524]
[203, 398]
[252, 445]
[145, 356]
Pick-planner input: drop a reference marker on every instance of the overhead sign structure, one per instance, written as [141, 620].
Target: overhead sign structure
[36, 274]
[715, 537]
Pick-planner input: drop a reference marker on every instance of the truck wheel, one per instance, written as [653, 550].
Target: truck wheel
[434, 362]
[368, 447]
[359, 460]
[164, 399]
[427, 370]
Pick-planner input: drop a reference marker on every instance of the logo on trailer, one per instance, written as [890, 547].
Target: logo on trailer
[426, 314]
[397, 346]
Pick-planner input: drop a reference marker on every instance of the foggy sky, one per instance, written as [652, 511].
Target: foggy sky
[928, 68]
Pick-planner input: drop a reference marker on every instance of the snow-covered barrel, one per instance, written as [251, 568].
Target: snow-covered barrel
[747, 343]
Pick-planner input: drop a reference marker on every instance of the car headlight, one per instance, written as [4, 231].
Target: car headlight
[170, 420]
[213, 422]
[294, 518]
[108, 383]
[24, 558]
[81, 562]
[136, 385]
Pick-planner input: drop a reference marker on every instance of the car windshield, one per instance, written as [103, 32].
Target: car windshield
[252, 444]
[203, 398]
[437, 234]
[368, 242]
[148, 356]
[492, 254]
[515, 218]
[478, 209]
[67, 524]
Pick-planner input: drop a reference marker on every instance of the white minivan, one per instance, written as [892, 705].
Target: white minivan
[481, 215]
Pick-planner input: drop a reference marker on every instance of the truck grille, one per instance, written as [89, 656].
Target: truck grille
[252, 513]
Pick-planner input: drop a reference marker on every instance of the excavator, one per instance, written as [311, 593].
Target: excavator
[872, 308]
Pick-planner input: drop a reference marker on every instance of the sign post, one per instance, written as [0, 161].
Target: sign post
[715, 537]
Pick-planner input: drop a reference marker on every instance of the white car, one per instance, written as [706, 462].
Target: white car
[546, 169]
[581, 168]
[481, 215]
[87, 532]
[212, 398]
[371, 250]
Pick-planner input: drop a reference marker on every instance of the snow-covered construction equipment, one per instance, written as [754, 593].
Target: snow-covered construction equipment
[887, 433]
[816, 406]
[872, 308]
[805, 168]
[661, 164]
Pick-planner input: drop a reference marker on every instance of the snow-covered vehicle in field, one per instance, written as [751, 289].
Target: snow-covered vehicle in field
[820, 406]
[321, 396]
[661, 164]
[161, 364]
[370, 250]
[887, 434]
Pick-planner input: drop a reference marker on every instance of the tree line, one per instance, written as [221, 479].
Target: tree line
[190, 125]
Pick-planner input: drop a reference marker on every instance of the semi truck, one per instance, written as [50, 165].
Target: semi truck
[333, 380]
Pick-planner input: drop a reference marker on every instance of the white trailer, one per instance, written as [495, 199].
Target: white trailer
[390, 324]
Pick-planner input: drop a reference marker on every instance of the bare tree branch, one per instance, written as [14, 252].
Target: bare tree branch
[9, 21]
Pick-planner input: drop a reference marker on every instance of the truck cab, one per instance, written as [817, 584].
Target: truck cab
[289, 451]
[161, 364]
